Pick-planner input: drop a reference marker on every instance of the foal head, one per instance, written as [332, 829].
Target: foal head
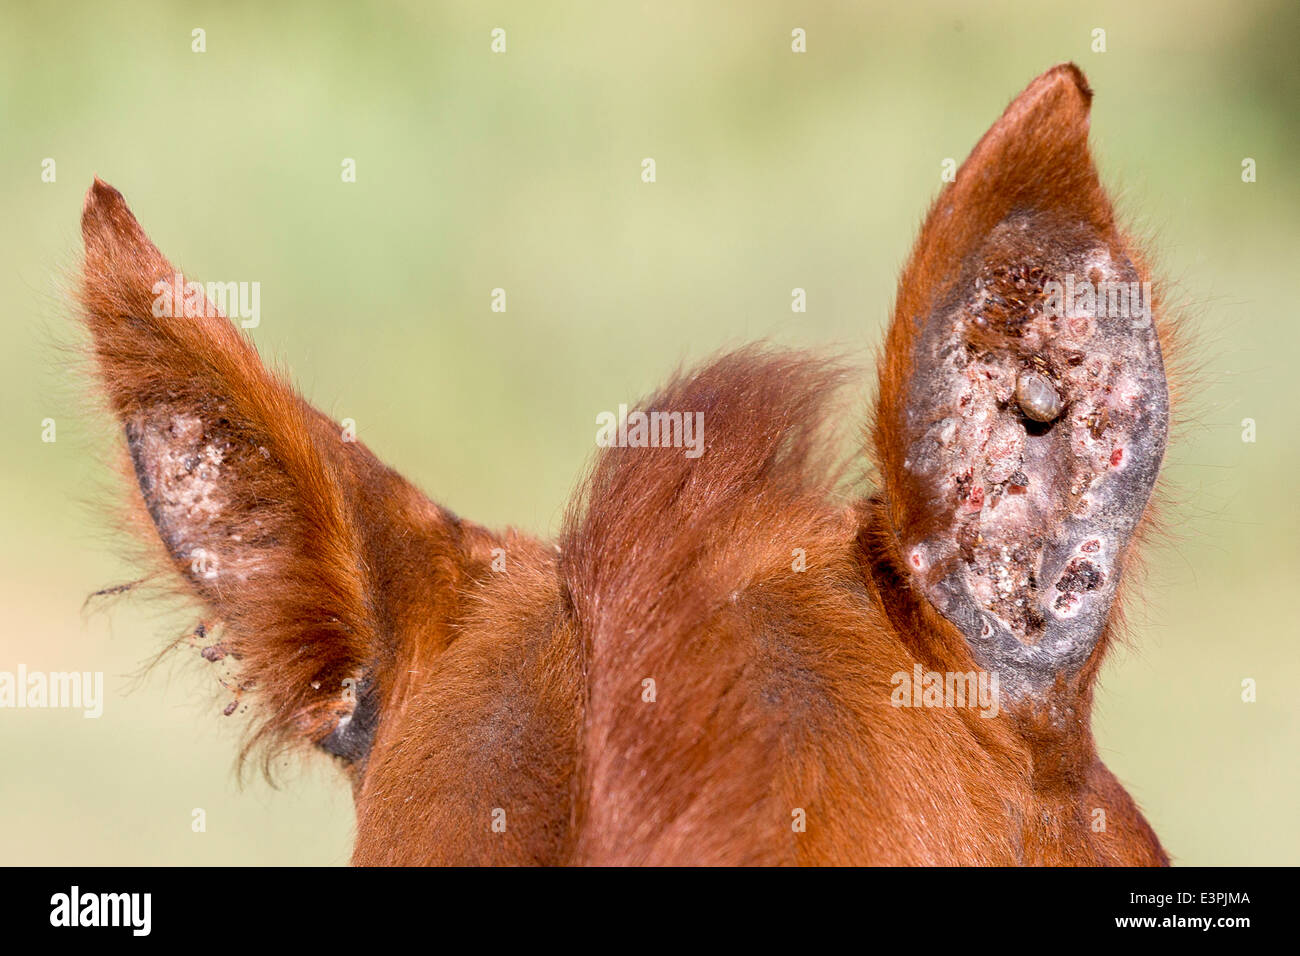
[723, 658]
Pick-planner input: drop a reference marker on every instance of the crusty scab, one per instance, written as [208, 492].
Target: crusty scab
[1038, 422]
[184, 462]
[179, 466]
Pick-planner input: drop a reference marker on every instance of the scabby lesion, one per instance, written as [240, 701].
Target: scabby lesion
[1027, 418]
[1006, 299]
[187, 462]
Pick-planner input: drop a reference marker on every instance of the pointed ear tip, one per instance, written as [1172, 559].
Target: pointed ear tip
[1065, 80]
[100, 194]
[1071, 74]
[1057, 100]
[100, 202]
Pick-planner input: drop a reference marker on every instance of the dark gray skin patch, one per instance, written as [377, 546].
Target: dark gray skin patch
[355, 734]
[1038, 503]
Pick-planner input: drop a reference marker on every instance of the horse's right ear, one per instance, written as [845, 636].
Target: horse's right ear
[1023, 410]
[297, 541]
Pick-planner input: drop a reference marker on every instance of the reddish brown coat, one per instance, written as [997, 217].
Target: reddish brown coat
[484, 695]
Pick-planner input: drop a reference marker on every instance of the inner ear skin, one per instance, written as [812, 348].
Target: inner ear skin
[199, 477]
[1031, 517]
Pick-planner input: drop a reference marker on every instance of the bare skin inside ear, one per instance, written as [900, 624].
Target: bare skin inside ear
[183, 463]
[1038, 413]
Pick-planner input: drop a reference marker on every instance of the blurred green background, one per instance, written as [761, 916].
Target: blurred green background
[522, 171]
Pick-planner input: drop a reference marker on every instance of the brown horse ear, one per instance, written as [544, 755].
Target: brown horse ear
[294, 537]
[1023, 410]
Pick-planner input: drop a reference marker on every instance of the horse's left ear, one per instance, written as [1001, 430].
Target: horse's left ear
[293, 535]
[1023, 409]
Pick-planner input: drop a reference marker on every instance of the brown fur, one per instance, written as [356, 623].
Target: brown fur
[523, 690]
